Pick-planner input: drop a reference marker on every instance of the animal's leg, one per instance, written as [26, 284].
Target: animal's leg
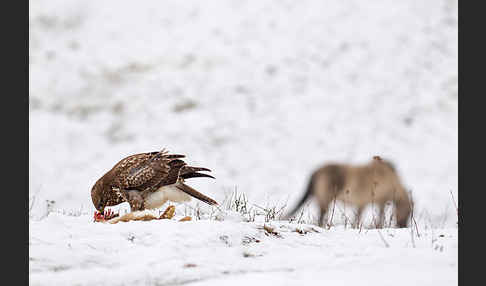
[324, 200]
[403, 208]
[324, 203]
[357, 220]
[381, 215]
[135, 200]
[322, 215]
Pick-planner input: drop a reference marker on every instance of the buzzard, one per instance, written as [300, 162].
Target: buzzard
[147, 181]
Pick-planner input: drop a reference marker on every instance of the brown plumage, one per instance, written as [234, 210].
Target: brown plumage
[147, 180]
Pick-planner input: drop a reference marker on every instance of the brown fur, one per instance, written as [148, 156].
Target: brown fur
[144, 215]
[376, 182]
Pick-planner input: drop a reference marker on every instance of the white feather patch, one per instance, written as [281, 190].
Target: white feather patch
[163, 194]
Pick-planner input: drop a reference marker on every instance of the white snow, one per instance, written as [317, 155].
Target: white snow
[76, 251]
[261, 92]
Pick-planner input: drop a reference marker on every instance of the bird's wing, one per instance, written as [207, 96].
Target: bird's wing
[131, 161]
[152, 171]
[175, 167]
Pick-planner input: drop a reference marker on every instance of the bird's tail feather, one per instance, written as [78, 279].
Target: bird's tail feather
[192, 192]
[192, 172]
[189, 169]
[195, 175]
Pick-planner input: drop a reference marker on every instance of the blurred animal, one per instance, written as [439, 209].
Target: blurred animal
[376, 182]
[147, 181]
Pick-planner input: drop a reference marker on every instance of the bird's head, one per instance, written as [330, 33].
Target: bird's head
[97, 196]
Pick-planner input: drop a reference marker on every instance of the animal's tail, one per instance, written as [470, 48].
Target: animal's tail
[308, 192]
[192, 172]
[193, 193]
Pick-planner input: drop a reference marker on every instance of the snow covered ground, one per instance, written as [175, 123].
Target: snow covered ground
[76, 251]
[261, 92]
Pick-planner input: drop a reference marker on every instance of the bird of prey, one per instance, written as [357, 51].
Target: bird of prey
[147, 181]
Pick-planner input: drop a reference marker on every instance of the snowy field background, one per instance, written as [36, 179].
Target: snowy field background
[232, 252]
[262, 93]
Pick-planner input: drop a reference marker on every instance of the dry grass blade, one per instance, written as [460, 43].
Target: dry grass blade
[270, 231]
[383, 239]
[272, 213]
[454, 201]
